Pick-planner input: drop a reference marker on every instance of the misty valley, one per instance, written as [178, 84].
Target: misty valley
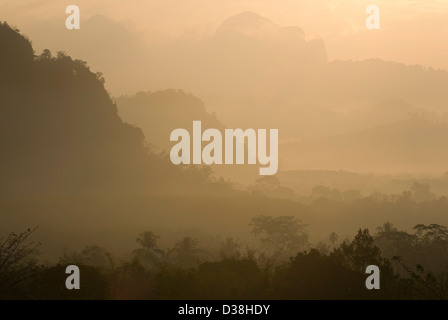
[119, 162]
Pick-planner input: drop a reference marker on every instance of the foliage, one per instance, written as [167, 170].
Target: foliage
[281, 235]
[17, 260]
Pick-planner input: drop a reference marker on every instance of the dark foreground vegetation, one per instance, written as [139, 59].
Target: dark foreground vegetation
[413, 266]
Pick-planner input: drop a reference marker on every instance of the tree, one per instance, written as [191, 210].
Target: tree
[422, 192]
[98, 257]
[230, 249]
[281, 235]
[362, 251]
[149, 255]
[185, 253]
[386, 228]
[431, 233]
[270, 186]
[148, 240]
[17, 261]
[94, 256]
[395, 243]
[433, 241]
[324, 192]
[230, 279]
[313, 275]
[333, 238]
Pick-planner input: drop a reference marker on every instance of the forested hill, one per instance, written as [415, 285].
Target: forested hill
[60, 132]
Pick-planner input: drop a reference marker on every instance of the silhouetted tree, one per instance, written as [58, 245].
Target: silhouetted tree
[148, 240]
[230, 249]
[281, 234]
[422, 192]
[150, 256]
[185, 253]
[362, 252]
[333, 238]
[17, 260]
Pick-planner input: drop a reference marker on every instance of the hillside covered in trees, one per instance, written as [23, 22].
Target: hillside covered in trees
[60, 132]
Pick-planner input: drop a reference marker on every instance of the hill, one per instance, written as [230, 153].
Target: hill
[60, 132]
[159, 113]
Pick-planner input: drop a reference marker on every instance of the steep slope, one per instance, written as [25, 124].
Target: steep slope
[60, 131]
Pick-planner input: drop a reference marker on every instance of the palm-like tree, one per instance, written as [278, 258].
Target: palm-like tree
[185, 252]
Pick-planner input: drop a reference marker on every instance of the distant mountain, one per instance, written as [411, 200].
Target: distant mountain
[416, 145]
[304, 181]
[378, 114]
[374, 80]
[255, 73]
[307, 119]
[251, 24]
[249, 60]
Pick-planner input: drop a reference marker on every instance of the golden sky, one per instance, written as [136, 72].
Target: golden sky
[413, 32]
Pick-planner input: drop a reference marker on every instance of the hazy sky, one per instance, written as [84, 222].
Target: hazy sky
[413, 32]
